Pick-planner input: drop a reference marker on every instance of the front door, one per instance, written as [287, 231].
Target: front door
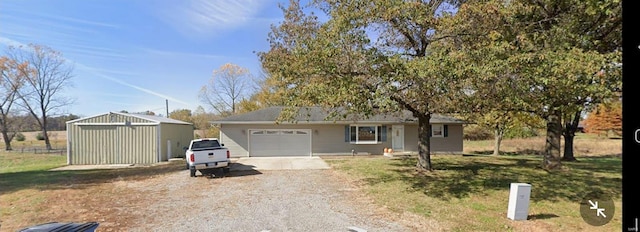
[397, 137]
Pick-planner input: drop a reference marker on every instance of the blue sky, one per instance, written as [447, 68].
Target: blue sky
[133, 54]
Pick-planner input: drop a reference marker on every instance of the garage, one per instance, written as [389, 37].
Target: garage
[279, 142]
[123, 138]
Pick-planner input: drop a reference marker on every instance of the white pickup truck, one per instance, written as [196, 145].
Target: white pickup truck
[206, 155]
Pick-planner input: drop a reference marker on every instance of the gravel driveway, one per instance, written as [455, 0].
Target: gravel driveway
[284, 200]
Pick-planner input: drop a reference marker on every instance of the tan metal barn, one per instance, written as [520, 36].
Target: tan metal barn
[122, 138]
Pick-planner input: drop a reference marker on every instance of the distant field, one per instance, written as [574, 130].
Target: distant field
[584, 145]
[53, 135]
[58, 141]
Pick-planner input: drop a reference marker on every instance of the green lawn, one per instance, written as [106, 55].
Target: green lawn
[471, 193]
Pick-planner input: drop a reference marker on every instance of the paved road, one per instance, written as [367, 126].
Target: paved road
[265, 200]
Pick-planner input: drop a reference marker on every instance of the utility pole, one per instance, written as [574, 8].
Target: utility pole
[167, 106]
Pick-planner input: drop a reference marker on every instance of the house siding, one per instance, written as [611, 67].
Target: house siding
[328, 139]
[235, 138]
[450, 144]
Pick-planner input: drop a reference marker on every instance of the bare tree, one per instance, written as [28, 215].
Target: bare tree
[46, 75]
[226, 88]
[10, 81]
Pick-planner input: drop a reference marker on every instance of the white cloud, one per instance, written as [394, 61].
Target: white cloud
[82, 21]
[205, 18]
[93, 52]
[9, 42]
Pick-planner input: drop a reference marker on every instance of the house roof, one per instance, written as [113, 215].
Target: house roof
[319, 115]
[150, 118]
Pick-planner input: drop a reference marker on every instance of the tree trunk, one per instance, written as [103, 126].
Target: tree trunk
[44, 132]
[499, 133]
[570, 129]
[551, 158]
[5, 131]
[568, 148]
[7, 140]
[46, 138]
[424, 146]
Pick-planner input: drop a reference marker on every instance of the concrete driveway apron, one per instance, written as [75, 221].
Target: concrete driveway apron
[278, 163]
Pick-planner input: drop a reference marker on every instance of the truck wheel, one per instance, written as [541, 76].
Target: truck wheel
[192, 172]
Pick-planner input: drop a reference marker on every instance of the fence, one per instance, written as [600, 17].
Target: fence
[39, 150]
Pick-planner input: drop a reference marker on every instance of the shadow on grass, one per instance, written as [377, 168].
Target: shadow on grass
[462, 176]
[48, 180]
[509, 153]
[542, 216]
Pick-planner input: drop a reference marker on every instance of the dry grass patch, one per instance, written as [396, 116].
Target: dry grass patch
[58, 140]
[31, 194]
[584, 145]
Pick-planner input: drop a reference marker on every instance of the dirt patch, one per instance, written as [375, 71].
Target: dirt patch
[104, 203]
[152, 202]
[83, 199]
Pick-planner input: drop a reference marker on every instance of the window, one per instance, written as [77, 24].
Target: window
[439, 130]
[204, 145]
[365, 134]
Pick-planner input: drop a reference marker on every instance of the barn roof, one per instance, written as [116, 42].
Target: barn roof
[152, 119]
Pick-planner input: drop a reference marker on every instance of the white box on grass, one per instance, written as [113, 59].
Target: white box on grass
[519, 201]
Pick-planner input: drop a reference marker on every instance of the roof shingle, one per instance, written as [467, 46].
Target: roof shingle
[319, 115]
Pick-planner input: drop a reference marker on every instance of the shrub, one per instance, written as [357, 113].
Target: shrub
[20, 137]
[476, 132]
[39, 136]
[521, 132]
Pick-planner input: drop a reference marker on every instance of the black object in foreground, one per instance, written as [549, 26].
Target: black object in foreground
[62, 227]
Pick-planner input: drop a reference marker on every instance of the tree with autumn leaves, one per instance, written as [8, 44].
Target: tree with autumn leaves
[558, 58]
[34, 78]
[605, 118]
[545, 57]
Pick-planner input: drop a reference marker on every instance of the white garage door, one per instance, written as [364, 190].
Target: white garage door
[280, 142]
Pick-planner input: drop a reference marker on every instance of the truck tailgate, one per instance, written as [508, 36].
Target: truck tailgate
[209, 156]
